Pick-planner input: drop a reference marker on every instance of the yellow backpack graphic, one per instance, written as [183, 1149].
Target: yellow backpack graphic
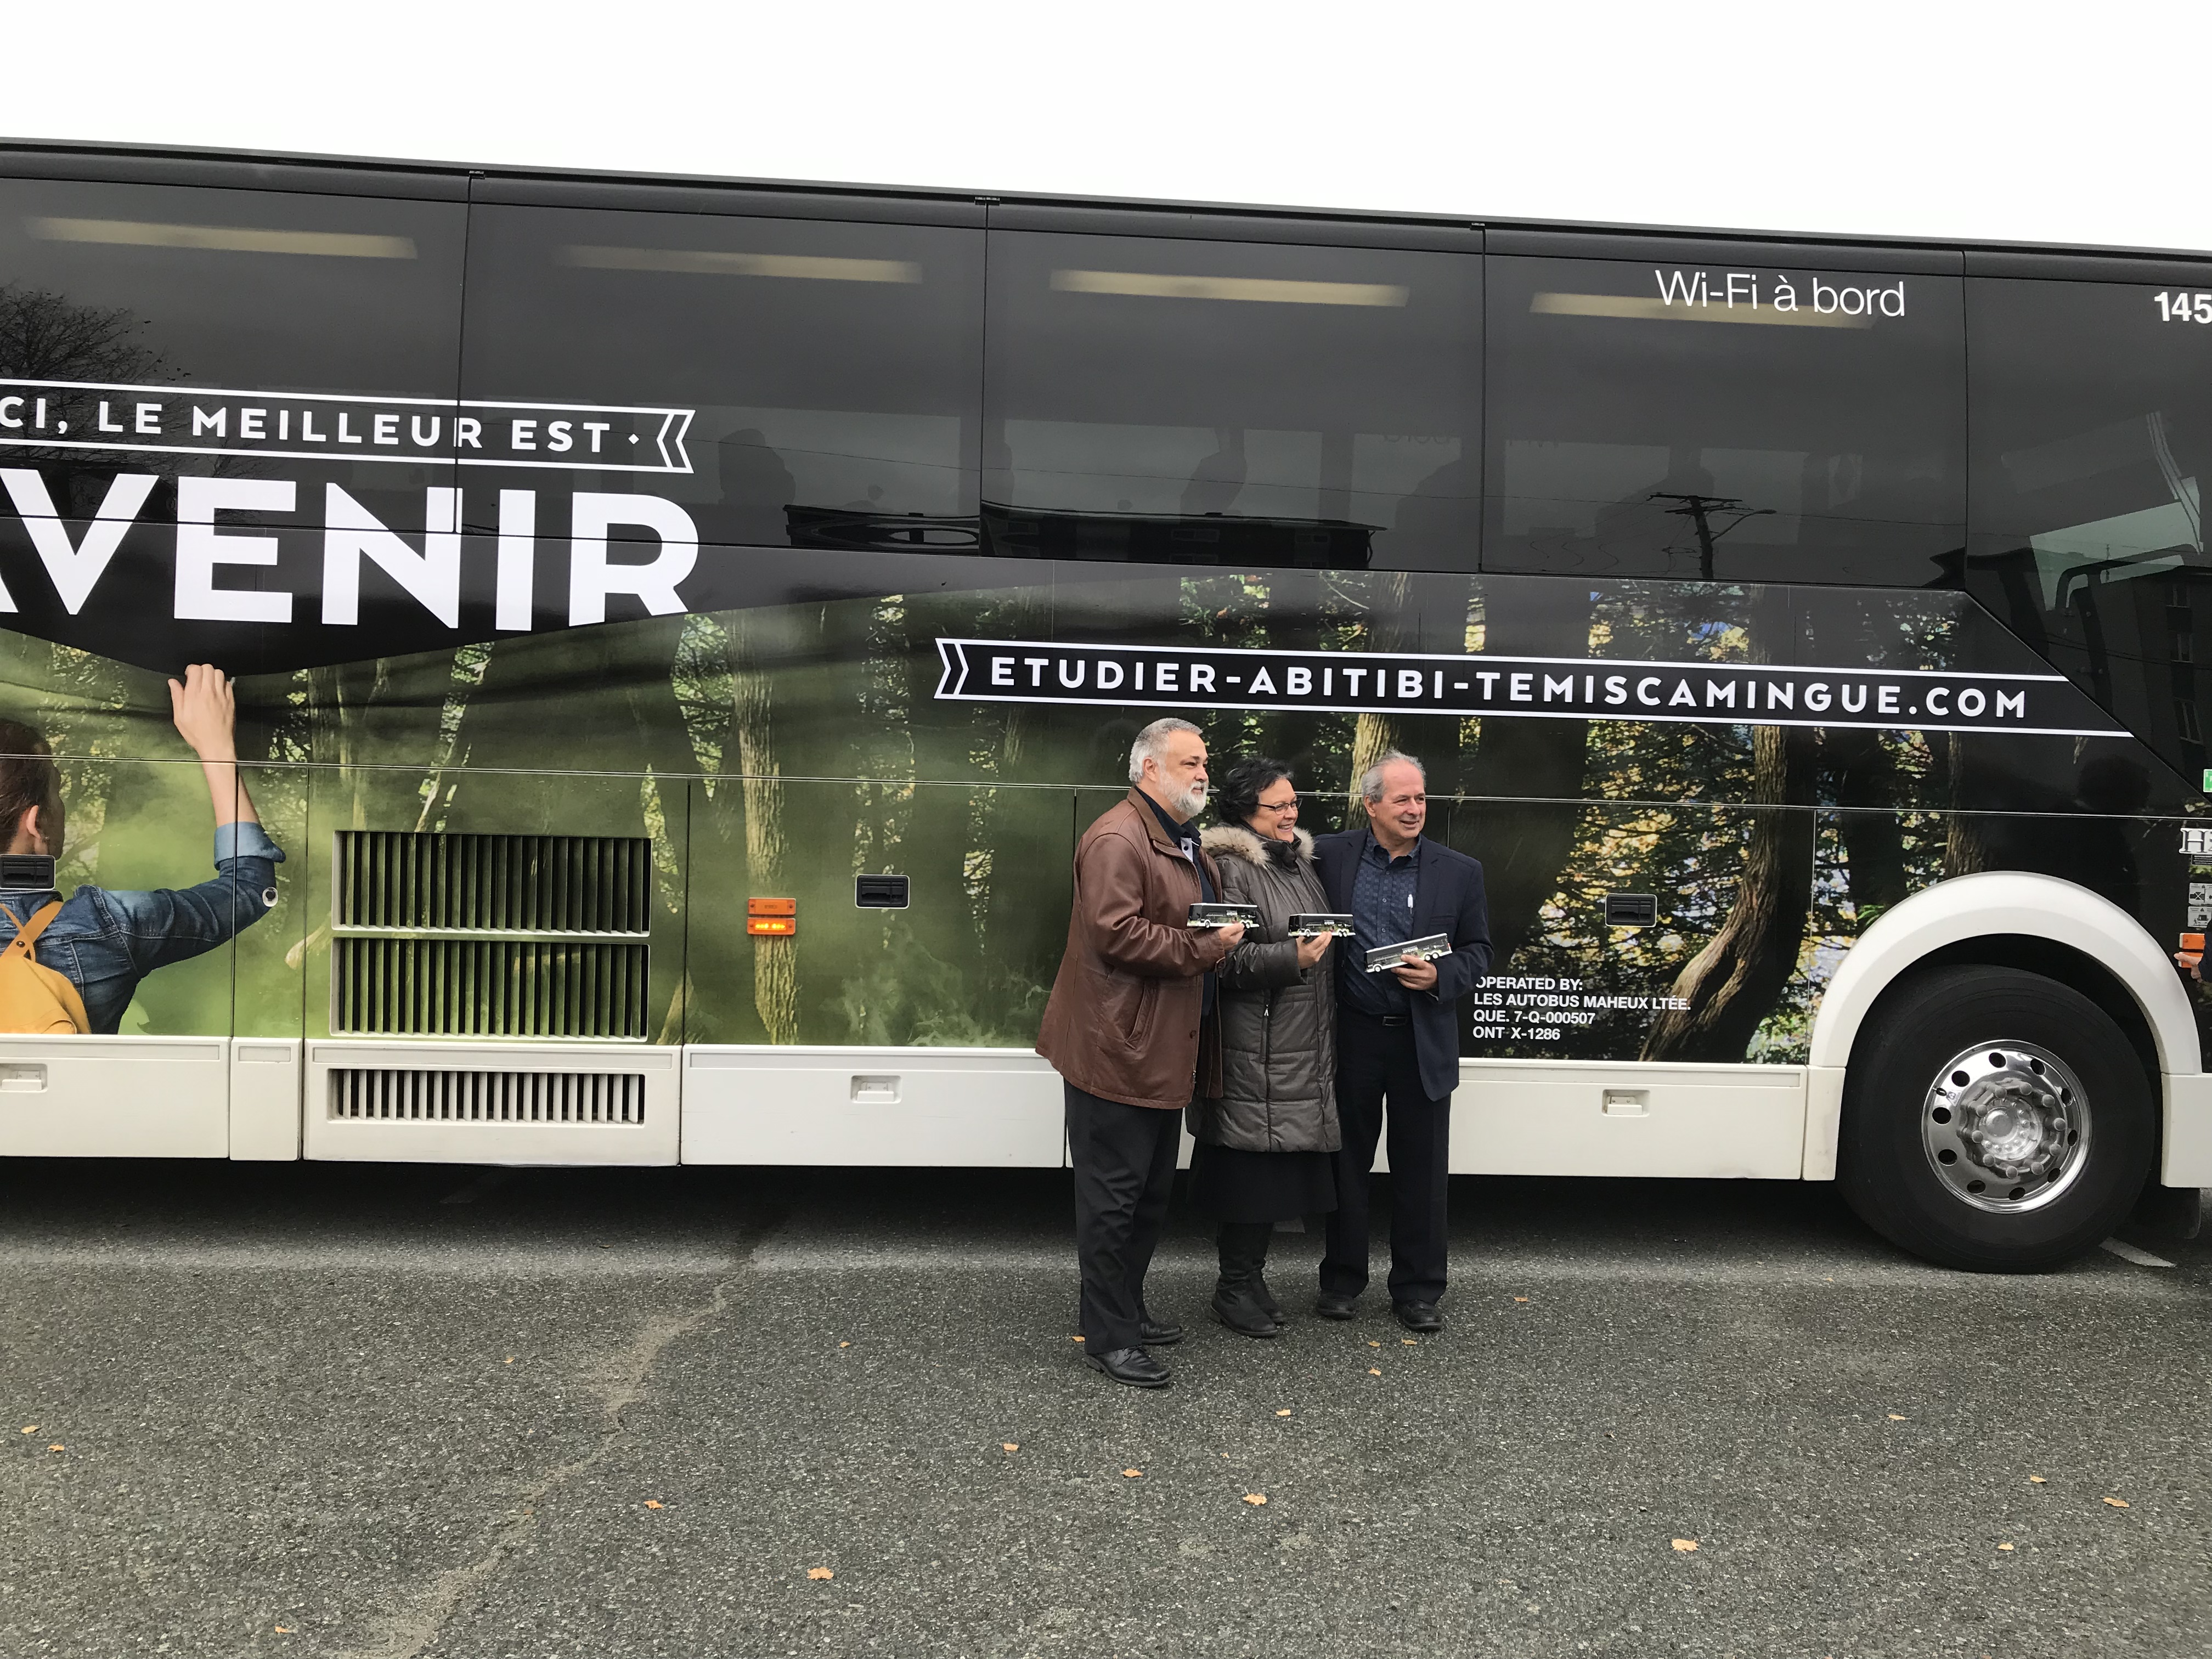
[36, 1000]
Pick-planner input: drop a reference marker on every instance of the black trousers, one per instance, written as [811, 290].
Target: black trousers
[1375, 1062]
[1125, 1163]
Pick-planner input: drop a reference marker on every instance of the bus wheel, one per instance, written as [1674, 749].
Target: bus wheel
[1994, 1120]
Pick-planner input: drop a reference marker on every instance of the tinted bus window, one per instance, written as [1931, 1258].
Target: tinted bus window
[1231, 402]
[795, 382]
[297, 341]
[2093, 437]
[1729, 424]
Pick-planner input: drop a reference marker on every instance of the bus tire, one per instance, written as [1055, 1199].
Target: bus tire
[1994, 1120]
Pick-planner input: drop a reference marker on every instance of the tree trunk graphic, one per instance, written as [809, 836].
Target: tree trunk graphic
[1869, 787]
[1525, 784]
[1399, 619]
[1965, 849]
[1732, 983]
[1375, 732]
[752, 727]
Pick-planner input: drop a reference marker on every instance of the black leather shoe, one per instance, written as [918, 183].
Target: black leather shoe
[1158, 1333]
[1419, 1315]
[1130, 1365]
[1330, 1305]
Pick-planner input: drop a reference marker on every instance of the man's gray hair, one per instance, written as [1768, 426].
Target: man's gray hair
[1150, 742]
[1370, 780]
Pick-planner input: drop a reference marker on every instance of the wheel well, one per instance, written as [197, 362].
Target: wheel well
[2035, 954]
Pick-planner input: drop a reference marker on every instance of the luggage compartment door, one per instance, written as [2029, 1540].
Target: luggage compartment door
[115, 1096]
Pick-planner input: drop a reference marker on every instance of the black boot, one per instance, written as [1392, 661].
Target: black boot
[1261, 1293]
[1243, 1247]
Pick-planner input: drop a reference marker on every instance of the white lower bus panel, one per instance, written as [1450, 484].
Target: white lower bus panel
[977, 1108]
[491, 1102]
[264, 1099]
[1628, 1118]
[115, 1096]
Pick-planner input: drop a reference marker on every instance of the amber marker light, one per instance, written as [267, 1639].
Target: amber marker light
[771, 918]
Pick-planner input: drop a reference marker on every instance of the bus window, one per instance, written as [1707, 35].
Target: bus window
[247, 336]
[1247, 403]
[1724, 423]
[816, 381]
[2093, 436]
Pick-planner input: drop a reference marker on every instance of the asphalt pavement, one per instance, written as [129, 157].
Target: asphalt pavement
[377, 1412]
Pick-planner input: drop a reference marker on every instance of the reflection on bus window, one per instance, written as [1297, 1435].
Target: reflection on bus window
[175, 289]
[1223, 402]
[832, 370]
[2093, 415]
[1716, 425]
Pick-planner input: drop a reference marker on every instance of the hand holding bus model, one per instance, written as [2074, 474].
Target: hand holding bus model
[1415, 973]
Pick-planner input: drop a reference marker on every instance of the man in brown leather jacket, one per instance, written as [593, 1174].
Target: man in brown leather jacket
[1130, 1028]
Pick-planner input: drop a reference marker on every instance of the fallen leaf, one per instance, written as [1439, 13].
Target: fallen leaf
[848, 1344]
[1371, 1371]
[1286, 1412]
[1375, 1345]
[284, 1630]
[1132, 1474]
[1255, 1498]
[1075, 1338]
[30, 1428]
[2037, 1480]
[1897, 1417]
[653, 1503]
[1010, 1445]
[2116, 1502]
[1686, 1545]
[57, 1446]
[2007, 1548]
[509, 1360]
[820, 1572]
[1407, 1342]
[1520, 1298]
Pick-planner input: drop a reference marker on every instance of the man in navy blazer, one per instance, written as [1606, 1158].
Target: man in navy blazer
[1397, 1036]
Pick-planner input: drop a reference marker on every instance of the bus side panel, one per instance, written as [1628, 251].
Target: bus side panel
[978, 1108]
[872, 1034]
[1726, 1122]
[115, 1096]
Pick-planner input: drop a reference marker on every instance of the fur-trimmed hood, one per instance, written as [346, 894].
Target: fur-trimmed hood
[1234, 840]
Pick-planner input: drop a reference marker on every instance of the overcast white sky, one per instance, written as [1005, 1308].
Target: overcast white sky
[2020, 122]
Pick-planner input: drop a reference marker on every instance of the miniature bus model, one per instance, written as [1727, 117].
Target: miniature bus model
[680, 629]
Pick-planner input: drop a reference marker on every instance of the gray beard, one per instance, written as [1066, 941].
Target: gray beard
[1189, 804]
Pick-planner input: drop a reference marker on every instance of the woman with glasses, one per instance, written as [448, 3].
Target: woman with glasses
[1265, 1147]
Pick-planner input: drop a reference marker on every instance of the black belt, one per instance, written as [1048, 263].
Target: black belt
[1381, 1019]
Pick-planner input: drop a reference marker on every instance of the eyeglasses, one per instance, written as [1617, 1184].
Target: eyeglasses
[1277, 806]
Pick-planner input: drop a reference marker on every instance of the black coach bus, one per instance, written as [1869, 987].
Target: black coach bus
[680, 627]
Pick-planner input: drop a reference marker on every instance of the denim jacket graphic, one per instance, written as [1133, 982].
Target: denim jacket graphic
[105, 942]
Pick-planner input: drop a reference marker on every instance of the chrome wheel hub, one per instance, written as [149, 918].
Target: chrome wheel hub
[2006, 1127]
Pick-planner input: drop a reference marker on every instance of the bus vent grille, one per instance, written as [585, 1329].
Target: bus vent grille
[488, 987]
[429, 1097]
[503, 884]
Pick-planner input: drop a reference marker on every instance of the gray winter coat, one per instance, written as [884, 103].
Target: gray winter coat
[1277, 1025]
